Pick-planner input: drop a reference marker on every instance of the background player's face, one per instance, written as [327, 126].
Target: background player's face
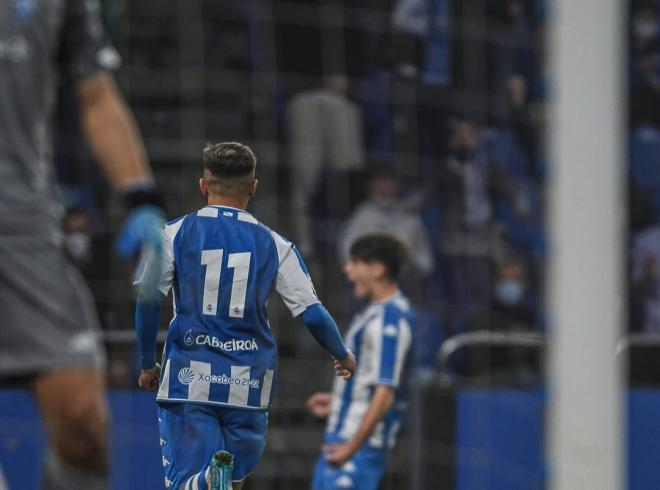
[363, 275]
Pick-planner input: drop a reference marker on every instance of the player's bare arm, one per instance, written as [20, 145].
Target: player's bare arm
[382, 401]
[319, 404]
[117, 146]
[112, 132]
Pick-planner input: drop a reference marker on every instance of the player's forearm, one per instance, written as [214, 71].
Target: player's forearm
[147, 320]
[112, 132]
[381, 402]
[324, 329]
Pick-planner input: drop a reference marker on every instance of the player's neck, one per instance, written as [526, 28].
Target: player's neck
[381, 291]
[230, 202]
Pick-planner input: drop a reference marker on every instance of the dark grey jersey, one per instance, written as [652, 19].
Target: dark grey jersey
[40, 41]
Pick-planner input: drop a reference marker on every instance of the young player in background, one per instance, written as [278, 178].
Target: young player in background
[364, 411]
[49, 334]
[220, 356]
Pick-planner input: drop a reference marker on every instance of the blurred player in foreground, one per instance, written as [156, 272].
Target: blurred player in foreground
[220, 355]
[364, 412]
[49, 334]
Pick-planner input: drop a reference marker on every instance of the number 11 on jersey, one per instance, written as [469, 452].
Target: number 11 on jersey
[240, 262]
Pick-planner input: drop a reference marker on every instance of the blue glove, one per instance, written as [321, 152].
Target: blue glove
[141, 233]
[141, 228]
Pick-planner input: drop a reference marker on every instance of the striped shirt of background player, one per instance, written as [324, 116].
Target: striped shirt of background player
[380, 337]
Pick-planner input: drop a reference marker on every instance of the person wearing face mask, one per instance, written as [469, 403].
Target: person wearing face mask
[509, 311]
[89, 252]
[385, 211]
[461, 199]
[78, 237]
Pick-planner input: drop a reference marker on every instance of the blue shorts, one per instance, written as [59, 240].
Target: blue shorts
[190, 433]
[362, 472]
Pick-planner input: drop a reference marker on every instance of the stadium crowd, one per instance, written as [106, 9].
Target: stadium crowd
[424, 119]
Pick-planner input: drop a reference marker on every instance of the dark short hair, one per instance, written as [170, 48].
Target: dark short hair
[381, 247]
[229, 159]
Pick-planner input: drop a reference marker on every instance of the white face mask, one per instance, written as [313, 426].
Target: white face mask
[646, 29]
[78, 244]
[509, 292]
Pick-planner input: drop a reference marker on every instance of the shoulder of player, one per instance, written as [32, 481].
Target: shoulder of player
[241, 216]
[175, 221]
[282, 245]
[393, 313]
[388, 319]
[171, 228]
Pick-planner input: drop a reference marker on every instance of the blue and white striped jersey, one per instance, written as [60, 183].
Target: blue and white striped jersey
[222, 264]
[381, 337]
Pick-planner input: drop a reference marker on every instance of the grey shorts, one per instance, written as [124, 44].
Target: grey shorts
[47, 316]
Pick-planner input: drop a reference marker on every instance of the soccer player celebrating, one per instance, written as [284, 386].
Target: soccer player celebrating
[220, 356]
[364, 411]
[49, 333]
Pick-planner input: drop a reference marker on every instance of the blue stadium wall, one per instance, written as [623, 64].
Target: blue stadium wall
[497, 436]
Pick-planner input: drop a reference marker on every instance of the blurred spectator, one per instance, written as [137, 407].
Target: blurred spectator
[78, 237]
[644, 24]
[645, 276]
[385, 211]
[508, 312]
[469, 236]
[90, 252]
[513, 68]
[410, 22]
[422, 40]
[514, 43]
[325, 131]
[519, 115]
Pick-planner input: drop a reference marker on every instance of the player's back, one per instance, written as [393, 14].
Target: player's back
[225, 263]
[220, 348]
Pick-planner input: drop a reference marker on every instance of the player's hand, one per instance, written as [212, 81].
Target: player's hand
[141, 227]
[141, 233]
[319, 404]
[338, 454]
[345, 367]
[149, 378]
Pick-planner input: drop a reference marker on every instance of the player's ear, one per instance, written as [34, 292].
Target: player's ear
[379, 270]
[203, 188]
[253, 187]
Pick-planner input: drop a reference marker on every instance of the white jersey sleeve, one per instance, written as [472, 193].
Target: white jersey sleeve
[168, 233]
[293, 282]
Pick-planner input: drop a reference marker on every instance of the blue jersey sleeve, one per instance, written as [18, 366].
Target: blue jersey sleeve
[324, 329]
[147, 319]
